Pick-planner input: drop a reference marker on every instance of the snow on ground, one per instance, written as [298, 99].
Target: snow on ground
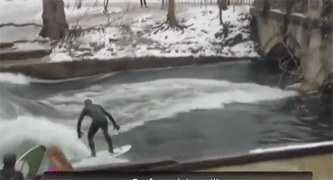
[19, 11]
[133, 35]
[30, 11]
[24, 11]
[136, 37]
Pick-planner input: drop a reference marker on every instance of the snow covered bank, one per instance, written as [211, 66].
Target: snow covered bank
[20, 11]
[135, 37]
[25, 11]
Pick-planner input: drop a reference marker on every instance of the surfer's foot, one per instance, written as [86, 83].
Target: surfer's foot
[93, 154]
[111, 151]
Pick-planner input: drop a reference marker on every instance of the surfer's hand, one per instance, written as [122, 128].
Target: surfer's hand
[79, 134]
[116, 127]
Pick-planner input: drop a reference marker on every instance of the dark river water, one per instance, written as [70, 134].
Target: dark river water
[176, 113]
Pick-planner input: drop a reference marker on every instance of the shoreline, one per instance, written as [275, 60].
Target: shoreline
[89, 67]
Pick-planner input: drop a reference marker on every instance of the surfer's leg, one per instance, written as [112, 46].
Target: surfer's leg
[107, 137]
[92, 131]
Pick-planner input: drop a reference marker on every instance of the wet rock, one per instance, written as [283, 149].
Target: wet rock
[218, 34]
[6, 45]
[93, 44]
[84, 49]
[235, 40]
[98, 47]
[195, 50]
[85, 54]
[204, 31]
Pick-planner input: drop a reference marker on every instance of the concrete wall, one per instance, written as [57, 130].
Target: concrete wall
[304, 38]
[319, 165]
[317, 159]
[63, 70]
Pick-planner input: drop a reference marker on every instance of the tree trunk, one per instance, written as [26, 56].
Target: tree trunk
[54, 20]
[79, 4]
[223, 5]
[95, 3]
[106, 3]
[171, 16]
[220, 16]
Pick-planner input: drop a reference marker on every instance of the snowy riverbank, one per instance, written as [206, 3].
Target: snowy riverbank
[136, 37]
[133, 35]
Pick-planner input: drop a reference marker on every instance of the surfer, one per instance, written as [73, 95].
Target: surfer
[8, 171]
[99, 121]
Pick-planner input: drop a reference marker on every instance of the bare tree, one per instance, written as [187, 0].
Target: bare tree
[171, 16]
[171, 20]
[106, 3]
[79, 4]
[223, 5]
[95, 3]
[54, 20]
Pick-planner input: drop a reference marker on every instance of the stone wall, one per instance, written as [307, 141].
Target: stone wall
[303, 37]
[73, 69]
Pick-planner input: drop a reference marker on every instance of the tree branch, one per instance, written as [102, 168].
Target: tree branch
[97, 27]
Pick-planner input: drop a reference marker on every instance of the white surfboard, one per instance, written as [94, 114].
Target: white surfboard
[103, 157]
[117, 151]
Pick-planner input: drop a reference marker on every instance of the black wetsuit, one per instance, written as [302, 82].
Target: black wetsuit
[99, 121]
[8, 171]
[10, 174]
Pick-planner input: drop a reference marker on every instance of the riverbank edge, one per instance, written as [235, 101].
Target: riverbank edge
[89, 67]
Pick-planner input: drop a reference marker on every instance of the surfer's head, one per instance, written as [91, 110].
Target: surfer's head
[88, 102]
[9, 160]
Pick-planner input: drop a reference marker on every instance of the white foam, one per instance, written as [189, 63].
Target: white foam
[134, 104]
[291, 147]
[60, 57]
[100, 159]
[41, 131]
[26, 80]
[14, 78]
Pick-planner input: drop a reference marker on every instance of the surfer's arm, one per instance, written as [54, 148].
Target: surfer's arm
[83, 113]
[109, 116]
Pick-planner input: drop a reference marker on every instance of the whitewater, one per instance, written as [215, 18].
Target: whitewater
[51, 118]
[177, 113]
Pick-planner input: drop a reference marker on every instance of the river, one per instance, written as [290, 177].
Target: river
[180, 113]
